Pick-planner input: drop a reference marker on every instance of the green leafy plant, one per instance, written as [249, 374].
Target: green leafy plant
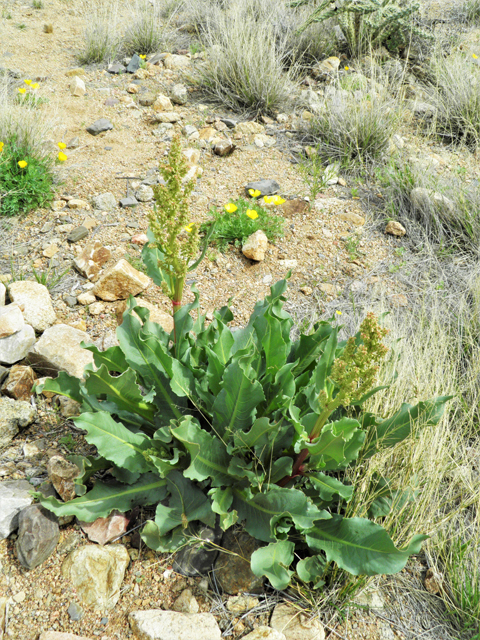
[239, 220]
[315, 174]
[25, 180]
[49, 278]
[368, 23]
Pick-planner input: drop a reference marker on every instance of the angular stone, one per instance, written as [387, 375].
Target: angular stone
[68, 407]
[266, 187]
[103, 530]
[62, 474]
[255, 246]
[96, 308]
[37, 305]
[97, 574]
[224, 148]
[77, 87]
[75, 612]
[147, 99]
[17, 346]
[19, 383]
[99, 126]
[116, 68]
[139, 238]
[186, 603]
[133, 88]
[233, 570]
[3, 291]
[329, 65]
[144, 193]
[14, 496]
[105, 201]
[394, 228]
[167, 117]
[164, 319]
[91, 260]
[162, 103]
[351, 217]
[249, 127]
[50, 251]
[77, 234]
[120, 281]
[14, 415]
[239, 604]
[3, 373]
[264, 633]
[59, 350]
[179, 94]
[170, 625]
[295, 624]
[134, 63]
[11, 320]
[129, 201]
[38, 534]
[199, 558]
[86, 298]
[76, 203]
[176, 62]
[207, 133]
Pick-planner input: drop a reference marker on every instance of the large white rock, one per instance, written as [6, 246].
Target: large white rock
[14, 496]
[59, 350]
[15, 347]
[96, 573]
[255, 246]
[11, 320]
[37, 305]
[120, 281]
[170, 625]
[296, 625]
[77, 87]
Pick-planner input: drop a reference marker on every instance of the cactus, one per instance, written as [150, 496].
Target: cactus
[368, 21]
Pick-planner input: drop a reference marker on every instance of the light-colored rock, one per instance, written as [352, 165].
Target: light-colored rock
[3, 291]
[162, 103]
[3, 614]
[89, 223]
[329, 65]
[105, 201]
[14, 496]
[312, 100]
[264, 633]
[91, 260]
[207, 133]
[103, 530]
[60, 635]
[351, 217]
[96, 573]
[50, 251]
[68, 407]
[249, 127]
[394, 228]
[295, 624]
[15, 347]
[77, 87]
[288, 264]
[139, 238]
[239, 604]
[37, 305]
[167, 117]
[59, 350]
[121, 281]
[371, 597]
[96, 308]
[19, 383]
[62, 474]
[144, 193]
[425, 199]
[75, 203]
[176, 62]
[86, 298]
[11, 320]
[186, 602]
[165, 320]
[262, 140]
[133, 88]
[255, 246]
[14, 415]
[170, 625]
[179, 94]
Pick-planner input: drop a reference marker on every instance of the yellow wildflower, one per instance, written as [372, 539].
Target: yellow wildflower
[339, 313]
[29, 82]
[142, 57]
[474, 56]
[189, 227]
[255, 193]
[268, 199]
[1, 147]
[61, 156]
[251, 213]
[277, 200]
[22, 164]
[347, 68]
[21, 90]
[62, 145]
[230, 207]
[35, 86]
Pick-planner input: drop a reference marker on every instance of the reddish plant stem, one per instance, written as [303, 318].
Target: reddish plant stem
[296, 469]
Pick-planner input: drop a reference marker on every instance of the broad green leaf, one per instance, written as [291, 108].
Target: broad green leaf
[236, 404]
[328, 487]
[113, 357]
[223, 344]
[324, 365]
[360, 546]
[123, 390]
[208, 455]
[259, 510]
[308, 348]
[282, 390]
[214, 372]
[162, 544]
[260, 438]
[151, 256]
[311, 569]
[221, 502]
[269, 331]
[184, 324]
[186, 504]
[331, 441]
[88, 465]
[105, 497]
[350, 453]
[115, 442]
[399, 426]
[165, 465]
[273, 561]
[64, 385]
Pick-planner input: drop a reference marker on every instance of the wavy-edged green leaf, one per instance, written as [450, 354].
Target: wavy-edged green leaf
[123, 390]
[88, 465]
[259, 510]
[187, 503]
[311, 569]
[308, 348]
[64, 385]
[162, 543]
[269, 331]
[281, 391]
[264, 438]
[273, 561]
[329, 487]
[350, 453]
[105, 497]
[324, 365]
[222, 499]
[115, 442]
[236, 404]
[332, 440]
[208, 455]
[184, 324]
[113, 357]
[360, 546]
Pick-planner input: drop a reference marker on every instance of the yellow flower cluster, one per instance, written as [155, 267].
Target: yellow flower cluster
[273, 200]
[62, 156]
[29, 83]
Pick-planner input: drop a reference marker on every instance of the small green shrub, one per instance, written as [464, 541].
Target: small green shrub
[102, 41]
[145, 32]
[23, 186]
[236, 226]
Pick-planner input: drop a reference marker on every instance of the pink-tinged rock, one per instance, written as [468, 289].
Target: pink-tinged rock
[255, 246]
[38, 310]
[11, 320]
[91, 260]
[165, 320]
[139, 238]
[103, 530]
[59, 350]
[120, 281]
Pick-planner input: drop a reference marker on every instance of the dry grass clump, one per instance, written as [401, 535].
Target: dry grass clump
[102, 40]
[245, 62]
[147, 31]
